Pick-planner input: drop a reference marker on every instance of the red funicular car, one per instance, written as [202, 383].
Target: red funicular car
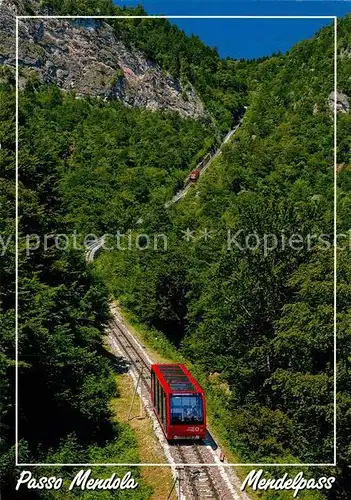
[179, 402]
[195, 175]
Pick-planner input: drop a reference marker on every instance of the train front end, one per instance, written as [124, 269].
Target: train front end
[179, 402]
[187, 418]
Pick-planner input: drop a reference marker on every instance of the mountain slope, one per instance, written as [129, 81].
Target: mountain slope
[255, 313]
[85, 164]
[137, 61]
[256, 320]
[86, 56]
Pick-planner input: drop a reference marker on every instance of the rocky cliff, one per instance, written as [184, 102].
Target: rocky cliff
[86, 55]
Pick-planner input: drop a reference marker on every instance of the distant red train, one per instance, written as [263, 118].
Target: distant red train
[179, 402]
[195, 175]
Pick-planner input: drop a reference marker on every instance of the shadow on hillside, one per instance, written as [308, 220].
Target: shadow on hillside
[119, 364]
[209, 441]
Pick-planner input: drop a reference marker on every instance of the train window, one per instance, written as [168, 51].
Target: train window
[153, 387]
[156, 392]
[157, 397]
[161, 404]
[187, 409]
[164, 419]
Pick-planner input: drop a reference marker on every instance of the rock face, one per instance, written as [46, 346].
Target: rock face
[87, 56]
[342, 102]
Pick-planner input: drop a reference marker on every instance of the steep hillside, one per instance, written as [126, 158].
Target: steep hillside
[66, 379]
[254, 314]
[85, 164]
[86, 56]
[248, 295]
[139, 62]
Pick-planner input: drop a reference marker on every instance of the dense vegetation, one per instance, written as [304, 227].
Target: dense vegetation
[90, 152]
[185, 58]
[65, 377]
[260, 324]
[257, 325]
[123, 160]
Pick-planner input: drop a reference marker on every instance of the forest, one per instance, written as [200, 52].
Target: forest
[256, 326]
[66, 378]
[259, 326]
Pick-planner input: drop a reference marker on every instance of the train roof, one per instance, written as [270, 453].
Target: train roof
[176, 378]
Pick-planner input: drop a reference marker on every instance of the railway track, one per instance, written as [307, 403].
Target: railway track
[137, 361]
[190, 477]
[203, 166]
[206, 472]
[93, 247]
[200, 482]
[200, 474]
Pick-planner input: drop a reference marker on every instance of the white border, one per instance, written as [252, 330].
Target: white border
[334, 463]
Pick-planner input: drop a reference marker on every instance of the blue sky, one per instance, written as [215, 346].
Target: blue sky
[247, 38]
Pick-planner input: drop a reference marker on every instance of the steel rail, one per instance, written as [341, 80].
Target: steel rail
[187, 471]
[134, 356]
[139, 354]
[207, 472]
[126, 351]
